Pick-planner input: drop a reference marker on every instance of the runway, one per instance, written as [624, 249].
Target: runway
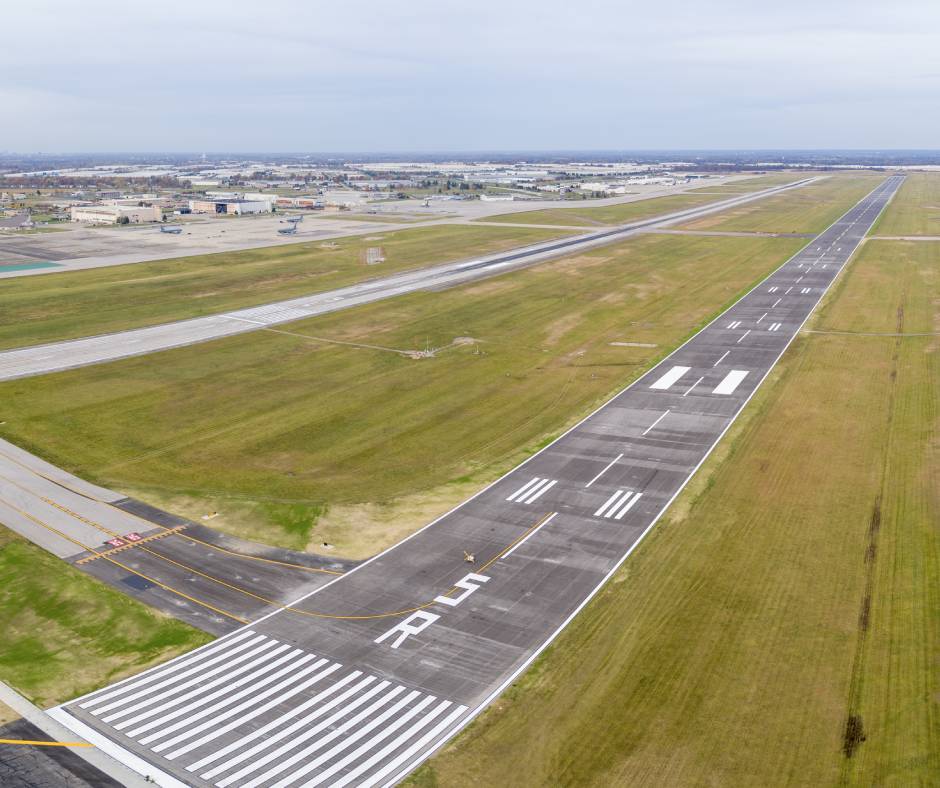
[365, 677]
[57, 356]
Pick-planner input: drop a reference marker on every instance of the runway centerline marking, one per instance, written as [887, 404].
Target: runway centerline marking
[743, 335]
[608, 466]
[689, 390]
[656, 422]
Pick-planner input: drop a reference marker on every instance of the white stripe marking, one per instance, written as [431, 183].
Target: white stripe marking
[670, 377]
[540, 493]
[320, 743]
[187, 684]
[663, 416]
[722, 357]
[383, 734]
[415, 748]
[731, 381]
[251, 692]
[202, 701]
[743, 335]
[610, 503]
[776, 302]
[689, 391]
[762, 317]
[606, 468]
[270, 705]
[627, 506]
[528, 536]
[154, 673]
[294, 743]
[200, 690]
[268, 741]
[522, 489]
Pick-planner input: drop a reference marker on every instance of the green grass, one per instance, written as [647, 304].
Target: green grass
[793, 585]
[755, 183]
[808, 209]
[915, 209]
[82, 303]
[372, 442]
[65, 633]
[606, 215]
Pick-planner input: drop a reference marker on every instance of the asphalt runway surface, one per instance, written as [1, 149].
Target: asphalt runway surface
[57, 356]
[212, 581]
[359, 681]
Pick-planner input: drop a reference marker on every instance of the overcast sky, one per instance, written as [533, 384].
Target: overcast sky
[373, 75]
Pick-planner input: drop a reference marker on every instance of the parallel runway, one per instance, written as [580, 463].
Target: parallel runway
[361, 680]
[56, 356]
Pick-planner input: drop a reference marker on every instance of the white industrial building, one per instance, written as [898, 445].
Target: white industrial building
[237, 206]
[111, 214]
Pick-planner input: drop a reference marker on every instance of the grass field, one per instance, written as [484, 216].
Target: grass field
[606, 214]
[298, 440]
[809, 209]
[915, 209]
[755, 183]
[781, 625]
[81, 303]
[65, 633]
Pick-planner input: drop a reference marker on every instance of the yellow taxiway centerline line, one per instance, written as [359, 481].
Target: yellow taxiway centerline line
[167, 530]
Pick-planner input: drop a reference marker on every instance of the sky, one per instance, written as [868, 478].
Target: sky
[444, 75]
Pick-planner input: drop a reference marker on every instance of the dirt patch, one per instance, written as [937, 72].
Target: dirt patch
[561, 327]
[578, 263]
[7, 714]
[853, 736]
[362, 530]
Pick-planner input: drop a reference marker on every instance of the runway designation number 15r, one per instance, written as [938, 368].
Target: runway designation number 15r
[421, 620]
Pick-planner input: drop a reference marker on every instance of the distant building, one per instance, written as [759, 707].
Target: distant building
[113, 214]
[230, 206]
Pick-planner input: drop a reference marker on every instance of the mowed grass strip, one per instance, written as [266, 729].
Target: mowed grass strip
[602, 215]
[754, 183]
[95, 301]
[915, 209]
[65, 633]
[273, 428]
[780, 626]
[808, 209]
